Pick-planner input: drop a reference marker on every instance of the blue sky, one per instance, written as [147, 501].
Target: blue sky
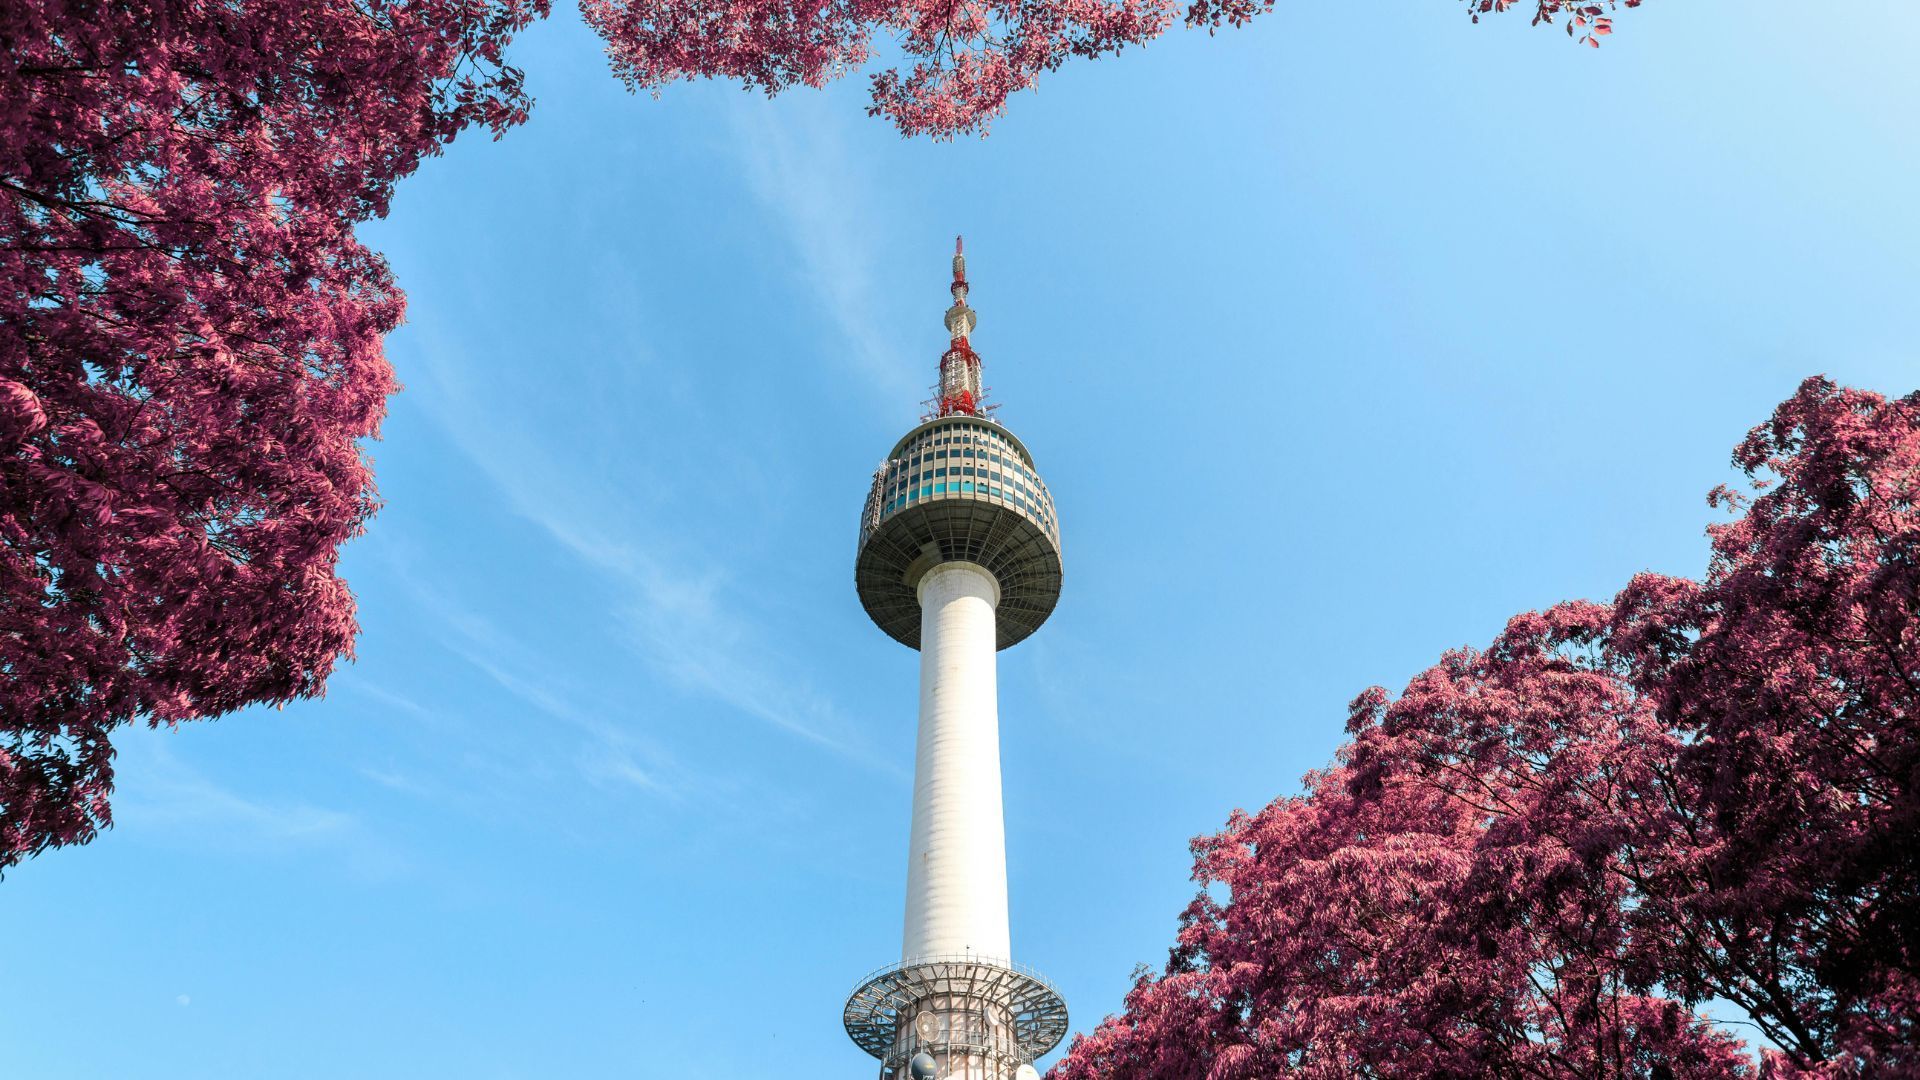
[1339, 339]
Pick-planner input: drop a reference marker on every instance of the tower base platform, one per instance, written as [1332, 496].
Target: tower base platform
[979, 1019]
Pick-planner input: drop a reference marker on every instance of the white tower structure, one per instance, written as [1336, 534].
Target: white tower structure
[959, 558]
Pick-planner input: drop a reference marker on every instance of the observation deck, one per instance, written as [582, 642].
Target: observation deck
[959, 488]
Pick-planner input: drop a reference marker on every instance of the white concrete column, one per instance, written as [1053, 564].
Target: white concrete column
[957, 865]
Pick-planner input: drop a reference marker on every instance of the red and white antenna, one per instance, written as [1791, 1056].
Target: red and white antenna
[960, 392]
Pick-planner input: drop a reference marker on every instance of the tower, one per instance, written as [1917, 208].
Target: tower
[959, 557]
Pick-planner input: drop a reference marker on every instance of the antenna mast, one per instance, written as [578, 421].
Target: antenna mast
[960, 391]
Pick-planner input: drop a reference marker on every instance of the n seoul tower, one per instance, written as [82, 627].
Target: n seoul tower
[959, 558]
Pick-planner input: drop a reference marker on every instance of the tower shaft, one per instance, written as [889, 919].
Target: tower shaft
[957, 861]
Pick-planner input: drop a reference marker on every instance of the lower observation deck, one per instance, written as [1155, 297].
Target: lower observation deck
[959, 489]
[988, 1011]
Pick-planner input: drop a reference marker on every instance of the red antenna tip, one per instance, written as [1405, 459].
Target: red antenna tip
[960, 390]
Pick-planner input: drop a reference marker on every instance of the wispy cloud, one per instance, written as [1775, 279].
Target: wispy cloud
[614, 751]
[397, 702]
[679, 611]
[394, 780]
[619, 767]
[795, 161]
[160, 794]
[163, 792]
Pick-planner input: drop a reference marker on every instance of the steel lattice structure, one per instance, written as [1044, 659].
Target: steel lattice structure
[881, 1009]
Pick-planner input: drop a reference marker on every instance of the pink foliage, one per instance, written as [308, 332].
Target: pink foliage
[1540, 856]
[962, 59]
[1793, 674]
[1446, 902]
[190, 351]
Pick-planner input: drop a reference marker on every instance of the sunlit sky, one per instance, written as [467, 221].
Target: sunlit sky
[1339, 339]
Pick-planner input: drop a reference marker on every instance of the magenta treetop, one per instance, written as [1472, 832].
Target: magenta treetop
[1791, 674]
[190, 351]
[1446, 902]
[962, 60]
[1539, 857]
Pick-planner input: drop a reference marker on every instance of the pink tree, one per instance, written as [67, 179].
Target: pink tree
[962, 58]
[1447, 902]
[1537, 858]
[190, 351]
[1791, 673]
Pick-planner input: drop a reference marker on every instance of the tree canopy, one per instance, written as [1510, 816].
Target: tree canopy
[191, 351]
[956, 62]
[1543, 857]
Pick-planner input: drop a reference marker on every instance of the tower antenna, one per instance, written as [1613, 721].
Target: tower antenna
[960, 391]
